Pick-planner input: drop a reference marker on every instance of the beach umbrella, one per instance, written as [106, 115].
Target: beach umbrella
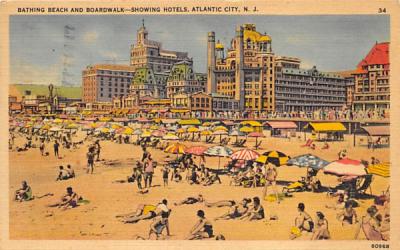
[206, 124]
[105, 119]
[308, 161]
[94, 125]
[146, 134]
[57, 120]
[236, 133]
[206, 132]
[180, 131]
[55, 129]
[345, 167]
[381, 169]
[128, 131]
[196, 150]
[154, 127]
[105, 130]
[220, 133]
[275, 157]
[115, 126]
[256, 135]
[176, 148]
[220, 128]
[192, 130]
[72, 126]
[170, 137]
[219, 151]
[245, 154]
[158, 133]
[246, 129]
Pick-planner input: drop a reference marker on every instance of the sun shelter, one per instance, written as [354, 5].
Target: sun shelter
[378, 136]
[282, 129]
[333, 131]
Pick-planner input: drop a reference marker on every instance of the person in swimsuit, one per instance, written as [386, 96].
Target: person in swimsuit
[370, 225]
[223, 203]
[339, 204]
[202, 229]
[143, 212]
[270, 180]
[24, 193]
[348, 215]
[90, 160]
[236, 210]
[190, 200]
[69, 200]
[321, 231]
[303, 221]
[63, 174]
[158, 225]
[256, 212]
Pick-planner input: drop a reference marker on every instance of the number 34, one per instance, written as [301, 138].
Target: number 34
[382, 10]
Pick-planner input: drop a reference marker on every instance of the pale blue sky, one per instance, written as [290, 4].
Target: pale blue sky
[332, 43]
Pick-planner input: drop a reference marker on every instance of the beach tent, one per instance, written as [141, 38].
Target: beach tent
[189, 122]
[377, 135]
[281, 128]
[333, 130]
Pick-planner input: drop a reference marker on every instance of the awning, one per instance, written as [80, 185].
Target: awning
[190, 122]
[326, 126]
[252, 123]
[281, 125]
[179, 110]
[377, 130]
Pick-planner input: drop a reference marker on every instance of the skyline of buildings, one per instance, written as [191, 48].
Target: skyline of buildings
[246, 76]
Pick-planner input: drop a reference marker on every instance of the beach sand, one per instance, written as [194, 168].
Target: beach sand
[96, 220]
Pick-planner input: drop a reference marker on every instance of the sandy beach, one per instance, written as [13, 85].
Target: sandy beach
[96, 220]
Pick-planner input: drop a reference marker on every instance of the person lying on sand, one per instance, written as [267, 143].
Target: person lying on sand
[256, 212]
[235, 210]
[143, 212]
[24, 193]
[190, 200]
[303, 222]
[68, 200]
[321, 231]
[202, 229]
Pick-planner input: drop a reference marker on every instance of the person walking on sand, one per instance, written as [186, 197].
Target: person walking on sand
[97, 150]
[270, 180]
[148, 172]
[138, 172]
[90, 160]
[56, 147]
[41, 147]
[165, 172]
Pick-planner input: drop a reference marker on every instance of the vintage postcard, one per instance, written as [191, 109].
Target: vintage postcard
[200, 124]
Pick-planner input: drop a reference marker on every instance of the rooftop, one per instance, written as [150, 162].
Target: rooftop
[379, 54]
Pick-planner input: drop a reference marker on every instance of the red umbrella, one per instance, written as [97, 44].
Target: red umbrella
[245, 154]
[196, 150]
[345, 167]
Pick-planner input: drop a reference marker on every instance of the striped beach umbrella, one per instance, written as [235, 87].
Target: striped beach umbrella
[245, 154]
[345, 167]
[176, 148]
[275, 157]
[381, 169]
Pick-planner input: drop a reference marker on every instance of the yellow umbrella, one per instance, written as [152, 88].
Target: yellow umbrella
[154, 127]
[207, 124]
[246, 129]
[192, 130]
[46, 127]
[115, 126]
[72, 126]
[146, 134]
[105, 130]
[57, 120]
[128, 131]
[176, 148]
[105, 119]
[94, 125]
[220, 128]
[206, 132]
[180, 131]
